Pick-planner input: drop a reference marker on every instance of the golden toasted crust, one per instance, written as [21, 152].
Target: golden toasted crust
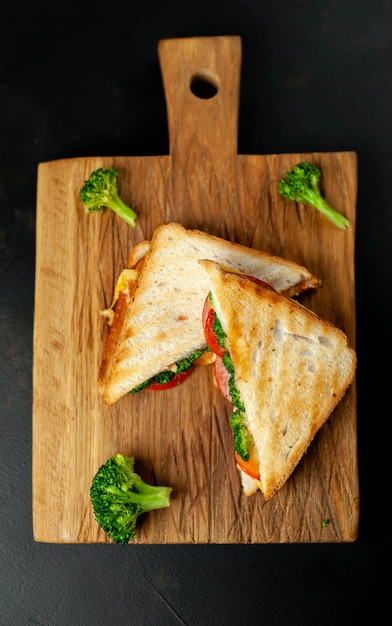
[163, 322]
[138, 253]
[125, 297]
[291, 369]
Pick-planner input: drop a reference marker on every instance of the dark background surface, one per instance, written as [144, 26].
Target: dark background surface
[81, 79]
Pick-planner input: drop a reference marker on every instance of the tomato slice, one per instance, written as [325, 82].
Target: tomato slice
[208, 318]
[174, 382]
[250, 467]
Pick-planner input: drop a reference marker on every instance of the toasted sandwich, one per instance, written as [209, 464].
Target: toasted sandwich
[156, 332]
[283, 368]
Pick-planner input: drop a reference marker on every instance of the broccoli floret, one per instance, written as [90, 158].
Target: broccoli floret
[234, 393]
[101, 190]
[219, 332]
[243, 440]
[301, 184]
[184, 364]
[119, 496]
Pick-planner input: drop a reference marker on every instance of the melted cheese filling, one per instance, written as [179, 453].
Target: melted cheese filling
[122, 284]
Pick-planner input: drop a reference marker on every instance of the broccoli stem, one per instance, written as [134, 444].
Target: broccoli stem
[318, 202]
[118, 206]
[149, 498]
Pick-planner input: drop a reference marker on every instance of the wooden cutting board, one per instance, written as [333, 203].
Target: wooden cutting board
[182, 437]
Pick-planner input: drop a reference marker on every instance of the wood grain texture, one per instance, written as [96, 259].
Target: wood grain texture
[182, 437]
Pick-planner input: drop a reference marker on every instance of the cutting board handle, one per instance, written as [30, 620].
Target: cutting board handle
[201, 79]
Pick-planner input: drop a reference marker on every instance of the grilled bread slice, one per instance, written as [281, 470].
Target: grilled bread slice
[291, 368]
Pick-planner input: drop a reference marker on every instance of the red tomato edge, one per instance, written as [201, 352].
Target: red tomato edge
[249, 467]
[174, 382]
[208, 320]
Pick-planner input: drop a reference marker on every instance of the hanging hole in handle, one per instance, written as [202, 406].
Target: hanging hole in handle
[204, 84]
